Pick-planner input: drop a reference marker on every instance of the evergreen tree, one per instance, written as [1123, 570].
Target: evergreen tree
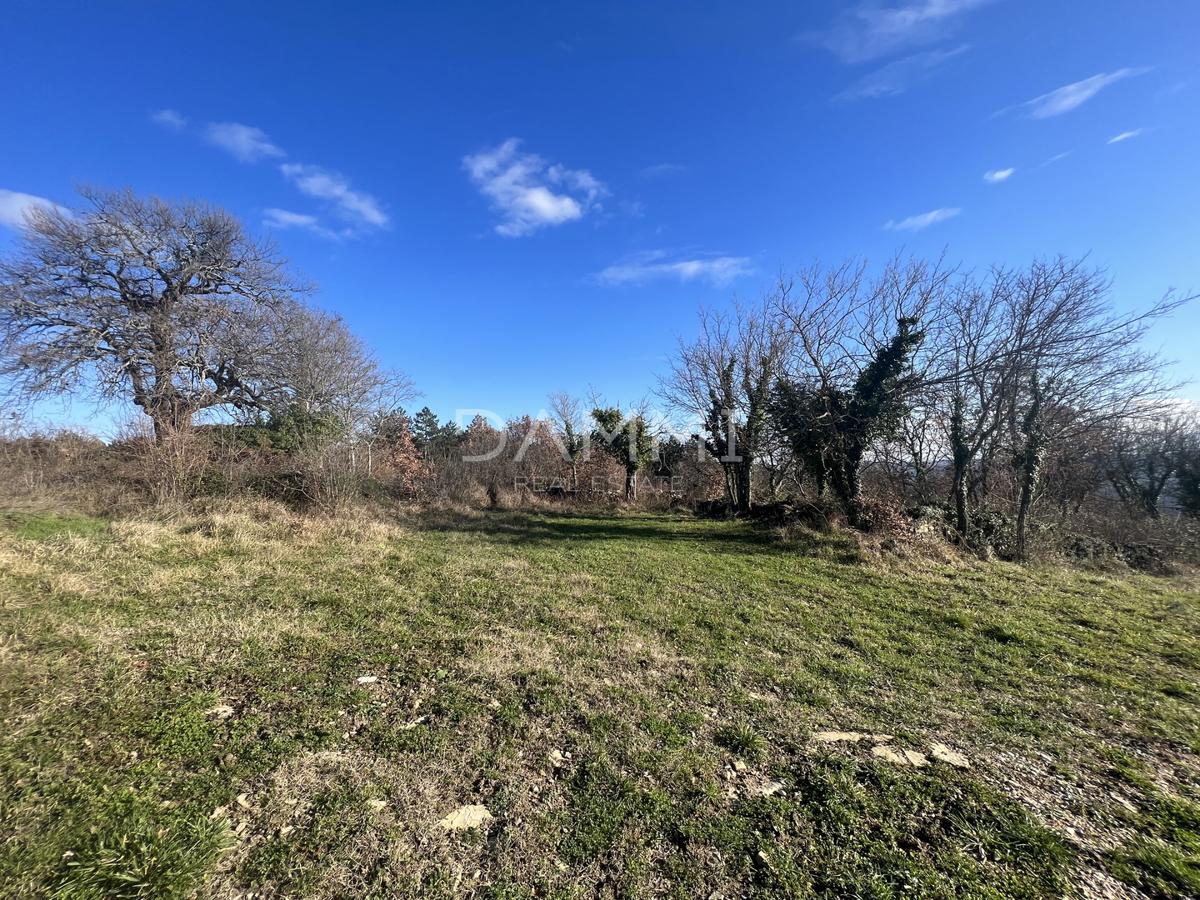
[432, 438]
[425, 428]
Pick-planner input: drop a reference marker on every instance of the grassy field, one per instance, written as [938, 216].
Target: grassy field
[245, 703]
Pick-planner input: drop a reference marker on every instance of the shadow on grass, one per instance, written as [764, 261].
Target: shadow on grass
[709, 535]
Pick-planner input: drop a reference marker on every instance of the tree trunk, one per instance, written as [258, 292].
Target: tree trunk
[743, 472]
[1031, 458]
[961, 521]
[847, 485]
[169, 419]
[1150, 497]
[1027, 487]
[962, 459]
[729, 470]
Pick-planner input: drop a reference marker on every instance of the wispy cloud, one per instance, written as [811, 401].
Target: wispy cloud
[356, 206]
[870, 31]
[916, 223]
[522, 188]
[663, 169]
[251, 145]
[656, 264]
[1055, 159]
[14, 204]
[899, 76]
[1126, 135]
[168, 118]
[998, 175]
[244, 142]
[283, 219]
[1067, 98]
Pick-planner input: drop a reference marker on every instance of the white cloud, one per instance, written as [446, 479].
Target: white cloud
[1067, 98]
[325, 185]
[168, 118]
[244, 142]
[13, 205]
[998, 175]
[898, 76]
[519, 186]
[284, 219]
[249, 144]
[1126, 135]
[869, 31]
[642, 267]
[916, 223]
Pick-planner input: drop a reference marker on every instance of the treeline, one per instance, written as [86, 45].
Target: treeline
[313, 460]
[1001, 407]
[993, 397]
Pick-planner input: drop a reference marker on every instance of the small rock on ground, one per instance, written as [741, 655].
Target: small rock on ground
[901, 757]
[471, 816]
[946, 755]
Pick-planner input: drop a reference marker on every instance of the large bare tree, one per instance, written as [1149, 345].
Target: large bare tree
[1140, 457]
[170, 306]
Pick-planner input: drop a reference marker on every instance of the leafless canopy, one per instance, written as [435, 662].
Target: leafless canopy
[170, 306]
[328, 368]
[841, 318]
[723, 380]
[1048, 330]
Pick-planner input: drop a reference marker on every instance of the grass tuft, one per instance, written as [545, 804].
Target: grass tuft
[742, 740]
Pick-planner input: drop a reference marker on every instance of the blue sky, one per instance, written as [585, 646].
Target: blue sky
[511, 199]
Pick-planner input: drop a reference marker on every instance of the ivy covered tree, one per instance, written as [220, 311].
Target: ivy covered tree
[627, 438]
[1030, 457]
[1035, 360]
[571, 432]
[723, 382]
[831, 428]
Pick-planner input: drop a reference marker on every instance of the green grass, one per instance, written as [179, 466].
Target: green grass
[633, 698]
[39, 526]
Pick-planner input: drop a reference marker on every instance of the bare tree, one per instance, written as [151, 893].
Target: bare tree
[1037, 356]
[571, 430]
[170, 306]
[724, 380]
[328, 368]
[1187, 469]
[1142, 456]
